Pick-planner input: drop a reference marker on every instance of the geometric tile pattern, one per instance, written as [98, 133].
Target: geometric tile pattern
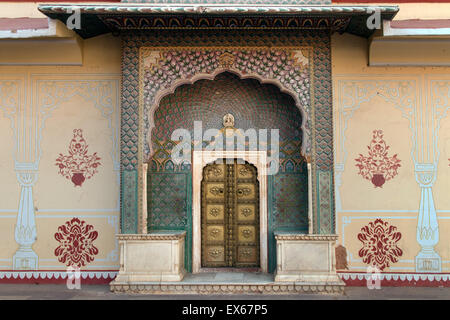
[290, 200]
[167, 200]
[325, 218]
[129, 202]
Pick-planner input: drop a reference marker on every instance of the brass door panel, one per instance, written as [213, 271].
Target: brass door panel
[230, 215]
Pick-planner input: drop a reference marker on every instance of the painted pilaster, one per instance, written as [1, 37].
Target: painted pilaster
[338, 170]
[427, 225]
[25, 230]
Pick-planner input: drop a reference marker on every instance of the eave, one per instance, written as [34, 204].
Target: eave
[415, 43]
[100, 19]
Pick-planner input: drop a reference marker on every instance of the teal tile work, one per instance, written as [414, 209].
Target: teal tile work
[288, 202]
[324, 194]
[129, 202]
[169, 195]
[167, 200]
[129, 140]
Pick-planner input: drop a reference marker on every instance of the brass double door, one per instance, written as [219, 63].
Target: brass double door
[230, 215]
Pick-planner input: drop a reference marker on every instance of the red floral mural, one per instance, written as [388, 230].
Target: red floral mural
[76, 239]
[78, 166]
[379, 240]
[378, 167]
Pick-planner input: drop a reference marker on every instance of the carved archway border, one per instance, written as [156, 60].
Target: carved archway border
[154, 56]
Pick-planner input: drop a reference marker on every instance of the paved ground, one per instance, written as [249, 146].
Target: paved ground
[93, 292]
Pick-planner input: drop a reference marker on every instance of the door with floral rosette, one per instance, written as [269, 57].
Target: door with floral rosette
[230, 214]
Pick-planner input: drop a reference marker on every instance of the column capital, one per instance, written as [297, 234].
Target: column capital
[425, 174]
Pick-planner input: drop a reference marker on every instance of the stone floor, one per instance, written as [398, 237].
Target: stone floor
[97, 292]
[228, 277]
[233, 283]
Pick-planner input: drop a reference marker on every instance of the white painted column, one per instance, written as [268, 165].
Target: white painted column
[25, 230]
[310, 202]
[427, 260]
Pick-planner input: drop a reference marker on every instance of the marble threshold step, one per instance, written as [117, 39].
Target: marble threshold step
[228, 283]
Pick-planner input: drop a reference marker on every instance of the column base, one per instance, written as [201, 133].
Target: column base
[25, 260]
[428, 261]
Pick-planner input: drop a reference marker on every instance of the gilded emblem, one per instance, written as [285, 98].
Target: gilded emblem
[246, 212]
[216, 190]
[214, 253]
[214, 233]
[245, 253]
[228, 120]
[241, 192]
[214, 212]
[247, 233]
[226, 60]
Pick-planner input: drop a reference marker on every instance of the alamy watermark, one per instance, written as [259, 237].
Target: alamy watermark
[226, 139]
[374, 20]
[74, 20]
[374, 278]
[73, 278]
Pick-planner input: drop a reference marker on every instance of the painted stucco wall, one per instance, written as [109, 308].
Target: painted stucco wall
[40, 107]
[409, 105]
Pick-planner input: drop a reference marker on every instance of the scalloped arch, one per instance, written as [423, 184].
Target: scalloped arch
[306, 140]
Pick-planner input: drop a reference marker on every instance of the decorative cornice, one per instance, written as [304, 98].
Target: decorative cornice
[100, 19]
[176, 235]
[214, 9]
[306, 237]
[137, 22]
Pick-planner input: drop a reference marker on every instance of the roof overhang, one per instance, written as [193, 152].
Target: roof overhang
[99, 19]
[422, 43]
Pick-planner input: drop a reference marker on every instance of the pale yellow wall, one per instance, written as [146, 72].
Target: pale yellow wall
[56, 200]
[414, 10]
[84, 91]
[369, 98]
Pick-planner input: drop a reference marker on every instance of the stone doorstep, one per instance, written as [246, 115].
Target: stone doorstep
[210, 288]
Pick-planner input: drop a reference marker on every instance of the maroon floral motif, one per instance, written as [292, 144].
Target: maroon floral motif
[378, 167]
[78, 165]
[379, 244]
[76, 239]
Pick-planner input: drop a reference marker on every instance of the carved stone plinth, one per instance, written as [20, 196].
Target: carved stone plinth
[273, 288]
[151, 257]
[306, 258]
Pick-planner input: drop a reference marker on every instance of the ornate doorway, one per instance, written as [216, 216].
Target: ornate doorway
[230, 214]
